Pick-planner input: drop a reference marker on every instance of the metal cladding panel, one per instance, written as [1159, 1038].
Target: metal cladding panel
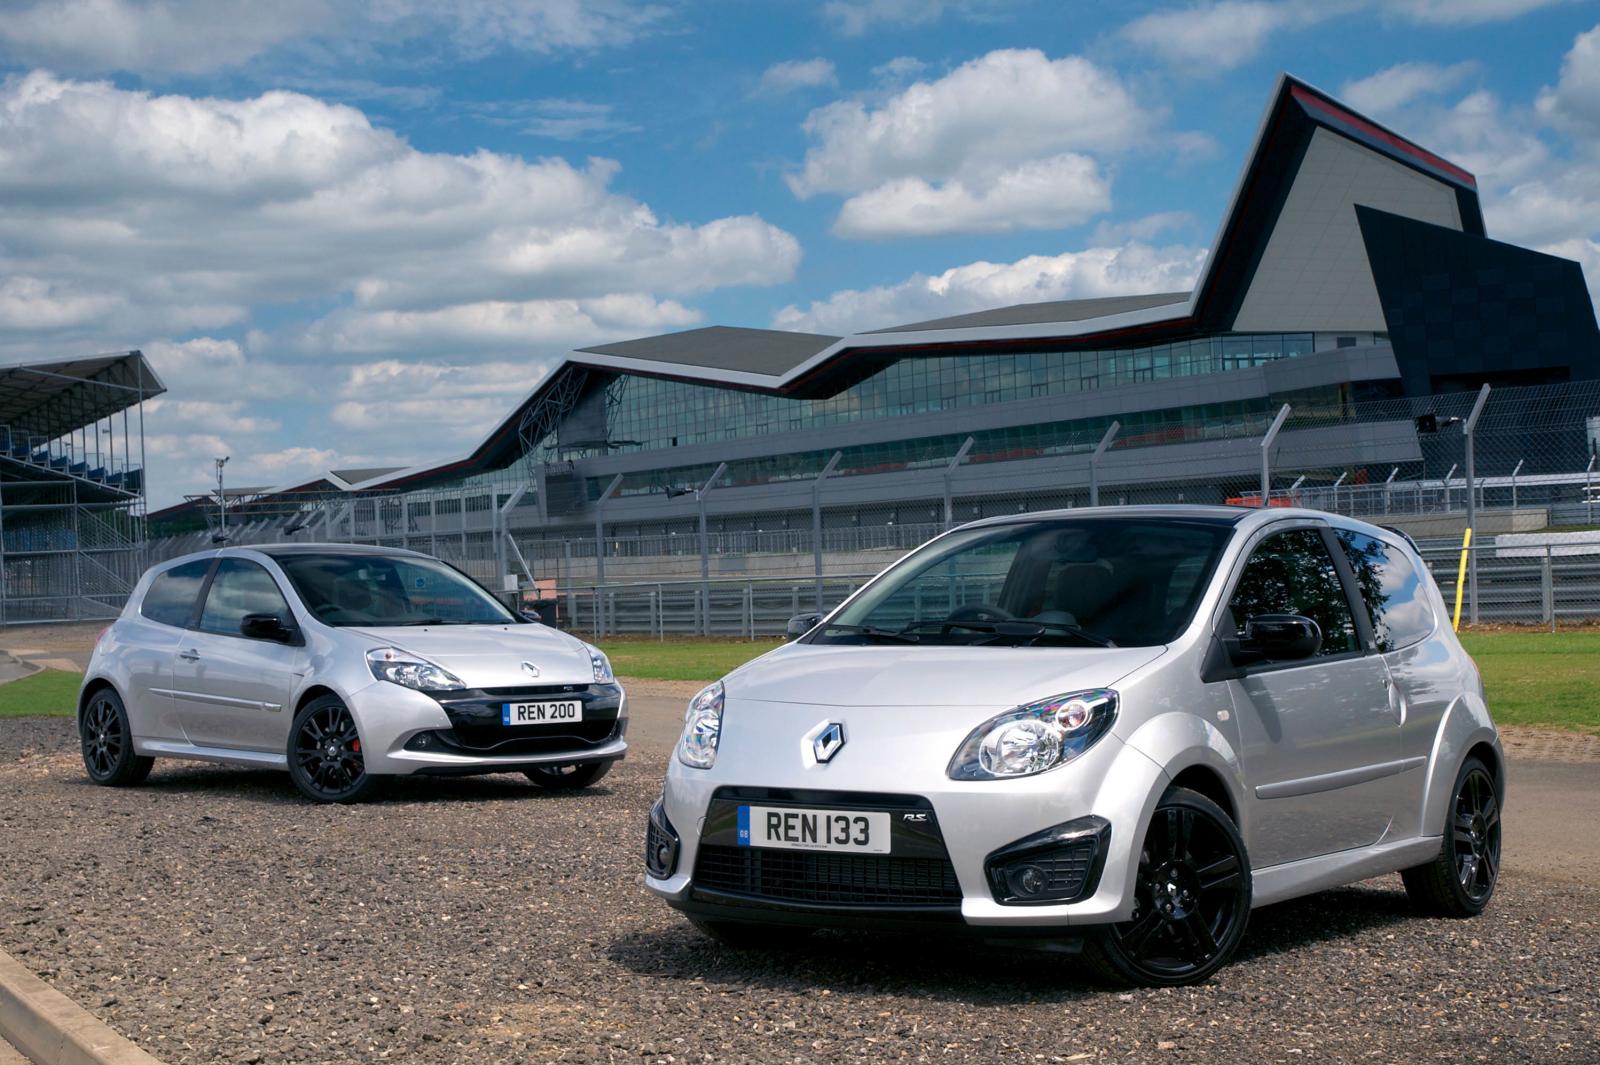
[1051, 311]
[772, 352]
[1462, 310]
[1314, 273]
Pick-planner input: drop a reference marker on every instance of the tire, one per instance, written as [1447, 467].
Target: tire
[325, 759]
[1460, 880]
[106, 740]
[1193, 893]
[569, 777]
[738, 935]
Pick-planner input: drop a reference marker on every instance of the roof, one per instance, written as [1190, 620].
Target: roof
[359, 474]
[278, 550]
[771, 352]
[53, 398]
[808, 365]
[1051, 311]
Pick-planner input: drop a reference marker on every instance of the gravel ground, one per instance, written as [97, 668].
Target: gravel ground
[213, 917]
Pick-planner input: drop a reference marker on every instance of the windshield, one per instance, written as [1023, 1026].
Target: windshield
[1099, 582]
[389, 590]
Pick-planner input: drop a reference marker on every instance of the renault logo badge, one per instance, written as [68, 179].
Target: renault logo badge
[530, 669]
[828, 742]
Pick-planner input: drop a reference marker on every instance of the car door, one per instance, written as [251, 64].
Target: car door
[1318, 740]
[1401, 607]
[234, 691]
[150, 642]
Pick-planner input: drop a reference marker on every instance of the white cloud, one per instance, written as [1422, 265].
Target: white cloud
[1047, 194]
[488, 326]
[554, 117]
[796, 74]
[970, 152]
[1464, 12]
[1143, 229]
[1212, 38]
[1129, 269]
[1574, 103]
[1403, 84]
[125, 213]
[855, 17]
[227, 416]
[166, 37]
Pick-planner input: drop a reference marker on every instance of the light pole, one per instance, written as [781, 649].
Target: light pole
[1266, 454]
[1468, 430]
[222, 506]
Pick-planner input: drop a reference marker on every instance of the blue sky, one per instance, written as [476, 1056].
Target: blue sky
[355, 232]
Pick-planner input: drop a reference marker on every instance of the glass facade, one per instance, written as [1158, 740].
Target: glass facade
[645, 414]
[1208, 421]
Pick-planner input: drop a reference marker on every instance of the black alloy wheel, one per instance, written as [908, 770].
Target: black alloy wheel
[107, 742]
[325, 757]
[1460, 881]
[1192, 898]
[568, 777]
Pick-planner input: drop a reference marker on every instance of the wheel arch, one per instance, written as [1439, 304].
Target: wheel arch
[1464, 731]
[1193, 753]
[90, 688]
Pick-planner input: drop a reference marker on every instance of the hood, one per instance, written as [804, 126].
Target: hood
[930, 676]
[491, 656]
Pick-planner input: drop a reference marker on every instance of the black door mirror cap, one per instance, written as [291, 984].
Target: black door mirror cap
[1281, 637]
[801, 624]
[266, 627]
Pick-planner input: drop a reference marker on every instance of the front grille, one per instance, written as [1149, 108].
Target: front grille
[476, 729]
[871, 880]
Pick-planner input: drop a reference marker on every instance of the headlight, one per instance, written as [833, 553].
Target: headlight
[602, 667]
[1035, 737]
[702, 728]
[409, 671]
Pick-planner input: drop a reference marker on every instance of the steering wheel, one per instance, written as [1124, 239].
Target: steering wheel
[326, 611]
[980, 612]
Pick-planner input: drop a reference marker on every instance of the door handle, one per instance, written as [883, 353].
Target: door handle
[190, 655]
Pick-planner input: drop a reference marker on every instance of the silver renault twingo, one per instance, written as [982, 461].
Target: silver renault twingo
[1113, 731]
[342, 665]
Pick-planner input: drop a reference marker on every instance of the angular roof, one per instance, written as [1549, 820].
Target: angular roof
[771, 352]
[1051, 311]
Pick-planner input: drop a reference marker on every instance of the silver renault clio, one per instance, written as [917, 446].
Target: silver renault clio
[342, 665]
[1111, 731]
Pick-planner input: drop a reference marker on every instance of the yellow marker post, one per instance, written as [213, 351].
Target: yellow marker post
[1461, 578]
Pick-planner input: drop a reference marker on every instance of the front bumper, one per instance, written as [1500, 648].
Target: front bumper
[405, 732]
[1103, 798]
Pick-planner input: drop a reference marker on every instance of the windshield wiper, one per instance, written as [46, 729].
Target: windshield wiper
[1032, 629]
[425, 621]
[874, 632]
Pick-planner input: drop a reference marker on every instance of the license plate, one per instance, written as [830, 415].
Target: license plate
[555, 713]
[789, 828]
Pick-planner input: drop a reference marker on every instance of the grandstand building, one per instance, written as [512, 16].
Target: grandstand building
[72, 493]
[1351, 278]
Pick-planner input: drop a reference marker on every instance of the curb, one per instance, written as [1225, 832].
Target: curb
[50, 1029]
[28, 668]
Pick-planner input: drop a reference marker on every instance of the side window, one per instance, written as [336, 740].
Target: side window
[240, 587]
[1396, 598]
[1292, 573]
[170, 597]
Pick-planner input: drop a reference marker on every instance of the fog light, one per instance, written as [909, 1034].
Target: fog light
[660, 844]
[1060, 864]
[1027, 880]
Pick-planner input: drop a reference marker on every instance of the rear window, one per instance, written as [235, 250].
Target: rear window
[170, 598]
[1391, 587]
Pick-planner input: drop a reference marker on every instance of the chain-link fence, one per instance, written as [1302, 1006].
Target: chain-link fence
[733, 558]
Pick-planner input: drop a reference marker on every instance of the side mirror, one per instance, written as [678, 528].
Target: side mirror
[531, 615]
[266, 627]
[1281, 637]
[800, 624]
